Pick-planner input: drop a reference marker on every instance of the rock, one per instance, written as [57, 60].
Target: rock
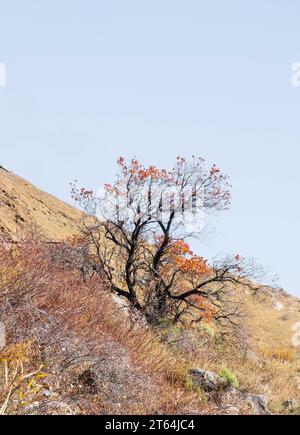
[129, 313]
[120, 302]
[231, 398]
[232, 410]
[52, 407]
[258, 403]
[207, 380]
[290, 404]
[278, 306]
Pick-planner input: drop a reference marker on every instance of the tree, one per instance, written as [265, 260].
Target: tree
[138, 228]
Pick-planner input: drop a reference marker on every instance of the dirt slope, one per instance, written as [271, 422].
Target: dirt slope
[25, 209]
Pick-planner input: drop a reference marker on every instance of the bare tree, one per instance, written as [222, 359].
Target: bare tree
[138, 229]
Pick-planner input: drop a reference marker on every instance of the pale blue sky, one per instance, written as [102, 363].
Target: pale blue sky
[88, 80]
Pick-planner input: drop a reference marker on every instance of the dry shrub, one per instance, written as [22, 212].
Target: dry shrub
[68, 316]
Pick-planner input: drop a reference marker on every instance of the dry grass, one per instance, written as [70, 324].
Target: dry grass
[96, 357]
[25, 209]
[282, 354]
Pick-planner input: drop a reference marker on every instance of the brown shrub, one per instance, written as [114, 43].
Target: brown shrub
[94, 355]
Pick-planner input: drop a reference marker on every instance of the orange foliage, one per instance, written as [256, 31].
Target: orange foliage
[140, 172]
[195, 264]
[208, 311]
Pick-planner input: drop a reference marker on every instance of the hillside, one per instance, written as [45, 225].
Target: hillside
[25, 209]
[96, 361]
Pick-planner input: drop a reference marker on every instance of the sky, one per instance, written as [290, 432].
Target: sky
[87, 81]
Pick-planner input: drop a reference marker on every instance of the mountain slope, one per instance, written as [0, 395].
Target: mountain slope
[25, 209]
[266, 357]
